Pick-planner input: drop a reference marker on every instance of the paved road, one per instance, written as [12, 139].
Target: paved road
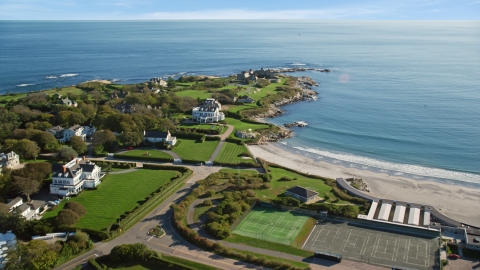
[172, 243]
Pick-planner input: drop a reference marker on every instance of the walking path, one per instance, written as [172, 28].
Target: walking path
[222, 142]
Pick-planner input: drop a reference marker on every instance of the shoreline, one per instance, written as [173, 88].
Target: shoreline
[452, 201]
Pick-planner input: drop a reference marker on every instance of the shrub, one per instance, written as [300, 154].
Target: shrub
[67, 217]
[207, 202]
[209, 193]
[130, 253]
[75, 207]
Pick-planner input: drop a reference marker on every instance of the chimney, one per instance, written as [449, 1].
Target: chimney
[77, 161]
[64, 169]
[84, 158]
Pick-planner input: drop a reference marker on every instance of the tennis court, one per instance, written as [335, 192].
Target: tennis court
[272, 225]
[374, 246]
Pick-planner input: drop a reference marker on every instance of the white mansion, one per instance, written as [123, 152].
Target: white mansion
[74, 176]
[208, 111]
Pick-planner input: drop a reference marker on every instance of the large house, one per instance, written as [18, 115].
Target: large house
[8, 241]
[9, 160]
[74, 176]
[159, 81]
[253, 75]
[208, 112]
[244, 99]
[68, 102]
[301, 193]
[159, 136]
[65, 134]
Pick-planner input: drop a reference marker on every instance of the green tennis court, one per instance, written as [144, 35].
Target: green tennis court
[272, 225]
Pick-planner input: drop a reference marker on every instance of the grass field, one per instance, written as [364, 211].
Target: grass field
[248, 171]
[200, 210]
[192, 150]
[253, 242]
[238, 108]
[268, 90]
[278, 187]
[271, 225]
[240, 125]
[202, 94]
[142, 153]
[116, 195]
[230, 153]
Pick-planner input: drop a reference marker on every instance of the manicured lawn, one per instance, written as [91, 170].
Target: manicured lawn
[238, 108]
[279, 187]
[269, 90]
[230, 153]
[192, 150]
[200, 210]
[115, 195]
[253, 242]
[202, 94]
[143, 153]
[240, 125]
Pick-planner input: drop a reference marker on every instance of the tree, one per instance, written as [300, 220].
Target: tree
[67, 217]
[27, 148]
[67, 153]
[130, 138]
[75, 207]
[102, 137]
[171, 82]
[36, 255]
[4, 209]
[130, 253]
[26, 185]
[78, 144]
[46, 141]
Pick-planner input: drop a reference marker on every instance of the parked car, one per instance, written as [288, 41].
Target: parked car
[453, 256]
[130, 148]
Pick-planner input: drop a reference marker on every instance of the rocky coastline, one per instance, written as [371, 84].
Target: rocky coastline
[305, 84]
[307, 94]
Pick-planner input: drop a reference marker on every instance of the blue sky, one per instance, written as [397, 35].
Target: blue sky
[239, 9]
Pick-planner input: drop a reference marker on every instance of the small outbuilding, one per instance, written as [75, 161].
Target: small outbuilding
[302, 194]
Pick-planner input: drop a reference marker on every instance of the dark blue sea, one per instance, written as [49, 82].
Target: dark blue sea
[403, 96]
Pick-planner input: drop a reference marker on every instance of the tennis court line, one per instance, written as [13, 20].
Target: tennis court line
[309, 235]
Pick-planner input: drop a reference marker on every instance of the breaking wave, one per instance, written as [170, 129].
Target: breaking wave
[68, 75]
[25, 84]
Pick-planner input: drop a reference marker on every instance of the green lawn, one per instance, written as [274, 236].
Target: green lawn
[200, 210]
[143, 153]
[269, 90]
[202, 94]
[192, 150]
[230, 153]
[240, 125]
[239, 108]
[253, 242]
[115, 195]
[279, 187]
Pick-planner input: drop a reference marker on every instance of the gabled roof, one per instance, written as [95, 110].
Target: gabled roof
[156, 134]
[14, 201]
[23, 207]
[301, 191]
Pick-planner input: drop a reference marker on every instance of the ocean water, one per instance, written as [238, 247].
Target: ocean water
[403, 97]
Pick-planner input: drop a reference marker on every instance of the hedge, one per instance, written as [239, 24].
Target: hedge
[241, 164]
[212, 138]
[93, 263]
[234, 140]
[188, 135]
[124, 156]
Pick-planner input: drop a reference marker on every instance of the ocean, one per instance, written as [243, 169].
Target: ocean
[403, 96]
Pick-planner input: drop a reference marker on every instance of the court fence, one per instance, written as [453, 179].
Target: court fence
[380, 261]
[239, 219]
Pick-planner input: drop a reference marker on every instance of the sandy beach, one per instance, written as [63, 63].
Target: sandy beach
[460, 203]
